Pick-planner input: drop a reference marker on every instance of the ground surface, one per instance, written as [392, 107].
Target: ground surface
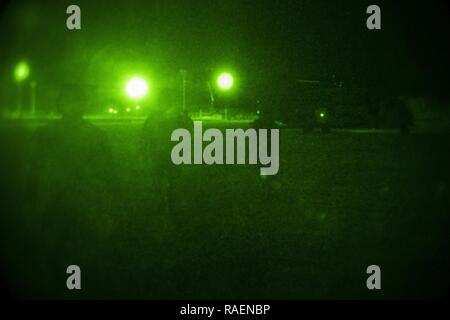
[340, 202]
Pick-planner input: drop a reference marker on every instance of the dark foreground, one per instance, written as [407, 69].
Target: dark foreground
[340, 202]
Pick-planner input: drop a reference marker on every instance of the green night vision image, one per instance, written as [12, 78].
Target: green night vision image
[354, 115]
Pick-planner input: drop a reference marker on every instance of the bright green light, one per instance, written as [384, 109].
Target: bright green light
[138, 107]
[128, 109]
[21, 71]
[136, 88]
[225, 81]
[322, 114]
[111, 110]
[115, 111]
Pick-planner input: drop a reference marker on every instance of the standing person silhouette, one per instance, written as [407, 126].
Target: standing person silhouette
[167, 195]
[156, 146]
[69, 191]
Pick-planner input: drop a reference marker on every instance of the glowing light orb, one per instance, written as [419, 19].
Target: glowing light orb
[225, 81]
[136, 88]
[21, 71]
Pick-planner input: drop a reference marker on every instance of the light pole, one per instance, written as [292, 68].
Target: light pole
[183, 76]
[211, 98]
[21, 73]
[19, 98]
[33, 85]
[225, 82]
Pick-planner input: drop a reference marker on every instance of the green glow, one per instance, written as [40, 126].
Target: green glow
[128, 109]
[322, 114]
[21, 71]
[136, 88]
[225, 81]
[111, 110]
[138, 107]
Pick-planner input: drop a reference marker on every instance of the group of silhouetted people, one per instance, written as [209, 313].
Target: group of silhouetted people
[72, 190]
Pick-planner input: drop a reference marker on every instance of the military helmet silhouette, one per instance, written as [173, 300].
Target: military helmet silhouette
[71, 101]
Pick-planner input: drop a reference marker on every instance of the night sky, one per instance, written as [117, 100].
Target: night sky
[266, 41]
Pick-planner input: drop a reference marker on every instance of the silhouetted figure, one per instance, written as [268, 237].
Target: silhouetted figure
[69, 192]
[156, 146]
[405, 115]
[266, 119]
